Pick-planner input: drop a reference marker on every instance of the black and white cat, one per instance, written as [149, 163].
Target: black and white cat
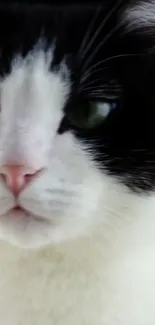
[77, 163]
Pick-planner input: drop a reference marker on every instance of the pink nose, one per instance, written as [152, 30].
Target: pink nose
[17, 177]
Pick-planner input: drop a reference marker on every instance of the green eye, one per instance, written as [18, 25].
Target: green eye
[91, 114]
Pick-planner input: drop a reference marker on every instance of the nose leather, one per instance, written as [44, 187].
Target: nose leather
[17, 177]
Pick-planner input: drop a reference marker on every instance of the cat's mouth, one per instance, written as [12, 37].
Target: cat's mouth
[19, 210]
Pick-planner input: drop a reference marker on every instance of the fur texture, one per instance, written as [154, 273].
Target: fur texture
[83, 253]
[141, 15]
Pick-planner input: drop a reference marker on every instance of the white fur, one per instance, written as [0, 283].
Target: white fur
[142, 14]
[106, 278]
[94, 257]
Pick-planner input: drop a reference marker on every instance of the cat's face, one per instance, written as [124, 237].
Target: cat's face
[74, 103]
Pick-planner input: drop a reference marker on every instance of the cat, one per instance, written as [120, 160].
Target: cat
[77, 163]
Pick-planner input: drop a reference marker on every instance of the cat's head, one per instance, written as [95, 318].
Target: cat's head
[75, 98]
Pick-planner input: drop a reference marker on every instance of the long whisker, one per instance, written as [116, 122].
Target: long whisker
[96, 89]
[104, 93]
[100, 28]
[101, 44]
[94, 81]
[106, 60]
[104, 82]
[88, 74]
[99, 89]
[86, 37]
[113, 212]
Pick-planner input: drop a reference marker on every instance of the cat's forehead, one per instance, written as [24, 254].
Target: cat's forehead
[47, 50]
[32, 83]
[42, 36]
[70, 26]
[75, 28]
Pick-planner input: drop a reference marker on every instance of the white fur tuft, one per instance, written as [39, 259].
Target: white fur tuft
[142, 14]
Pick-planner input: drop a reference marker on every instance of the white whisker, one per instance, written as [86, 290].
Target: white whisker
[99, 91]
[106, 60]
[101, 44]
[100, 28]
[89, 74]
[105, 82]
[94, 81]
[86, 37]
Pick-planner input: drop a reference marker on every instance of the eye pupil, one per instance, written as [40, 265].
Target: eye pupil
[91, 114]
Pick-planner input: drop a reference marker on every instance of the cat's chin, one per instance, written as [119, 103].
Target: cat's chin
[22, 229]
